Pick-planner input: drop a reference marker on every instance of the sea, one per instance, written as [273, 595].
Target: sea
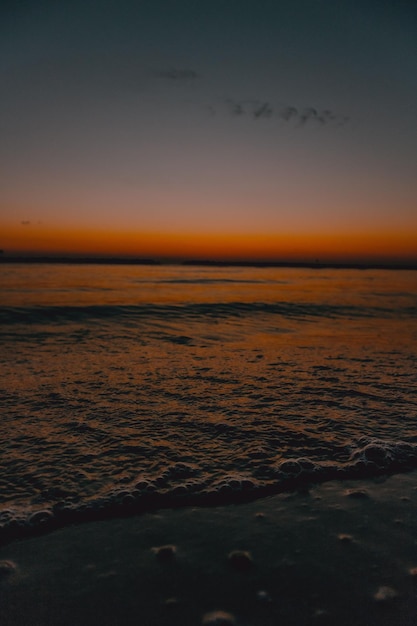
[125, 388]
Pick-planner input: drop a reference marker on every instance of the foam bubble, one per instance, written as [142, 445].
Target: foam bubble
[218, 618]
[263, 596]
[236, 483]
[40, 517]
[240, 559]
[165, 553]
[7, 568]
[385, 594]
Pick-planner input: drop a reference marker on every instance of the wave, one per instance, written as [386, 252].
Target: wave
[369, 458]
[195, 311]
[210, 281]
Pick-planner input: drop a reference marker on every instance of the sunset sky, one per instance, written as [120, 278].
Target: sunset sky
[260, 129]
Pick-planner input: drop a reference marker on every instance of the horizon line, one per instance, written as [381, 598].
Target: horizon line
[128, 260]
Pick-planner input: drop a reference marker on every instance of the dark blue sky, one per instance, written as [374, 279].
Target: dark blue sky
[210, 115]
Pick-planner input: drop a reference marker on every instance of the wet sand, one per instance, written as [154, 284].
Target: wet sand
[338, 553]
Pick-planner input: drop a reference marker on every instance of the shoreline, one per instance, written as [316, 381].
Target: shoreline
[340, 552]
[295, 478]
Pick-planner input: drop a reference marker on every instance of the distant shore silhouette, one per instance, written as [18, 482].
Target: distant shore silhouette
[104, 260]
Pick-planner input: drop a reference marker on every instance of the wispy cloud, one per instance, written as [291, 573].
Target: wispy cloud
[297, 116]
[263, 110]
[288, 113]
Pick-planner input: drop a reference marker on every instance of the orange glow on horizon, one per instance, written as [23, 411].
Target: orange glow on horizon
[379, 246]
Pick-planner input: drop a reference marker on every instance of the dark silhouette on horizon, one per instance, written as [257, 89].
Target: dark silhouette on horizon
[111, 260]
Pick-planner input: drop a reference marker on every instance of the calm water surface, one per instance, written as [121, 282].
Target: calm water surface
[126, 387]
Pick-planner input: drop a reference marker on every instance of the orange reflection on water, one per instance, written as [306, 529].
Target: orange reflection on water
[217, 384]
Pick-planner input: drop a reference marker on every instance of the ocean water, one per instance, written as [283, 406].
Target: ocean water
[125, 388]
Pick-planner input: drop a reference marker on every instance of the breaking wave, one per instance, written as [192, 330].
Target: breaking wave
[369, 458]
[195, 311]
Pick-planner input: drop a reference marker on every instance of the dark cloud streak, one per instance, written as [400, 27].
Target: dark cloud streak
[264, 110]
[288, 113]
[299, 117]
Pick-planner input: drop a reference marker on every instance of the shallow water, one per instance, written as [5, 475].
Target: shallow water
[128, 387]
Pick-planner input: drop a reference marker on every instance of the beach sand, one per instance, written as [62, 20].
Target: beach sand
[339, 553]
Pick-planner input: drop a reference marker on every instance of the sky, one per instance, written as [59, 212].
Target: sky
[250, 129]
